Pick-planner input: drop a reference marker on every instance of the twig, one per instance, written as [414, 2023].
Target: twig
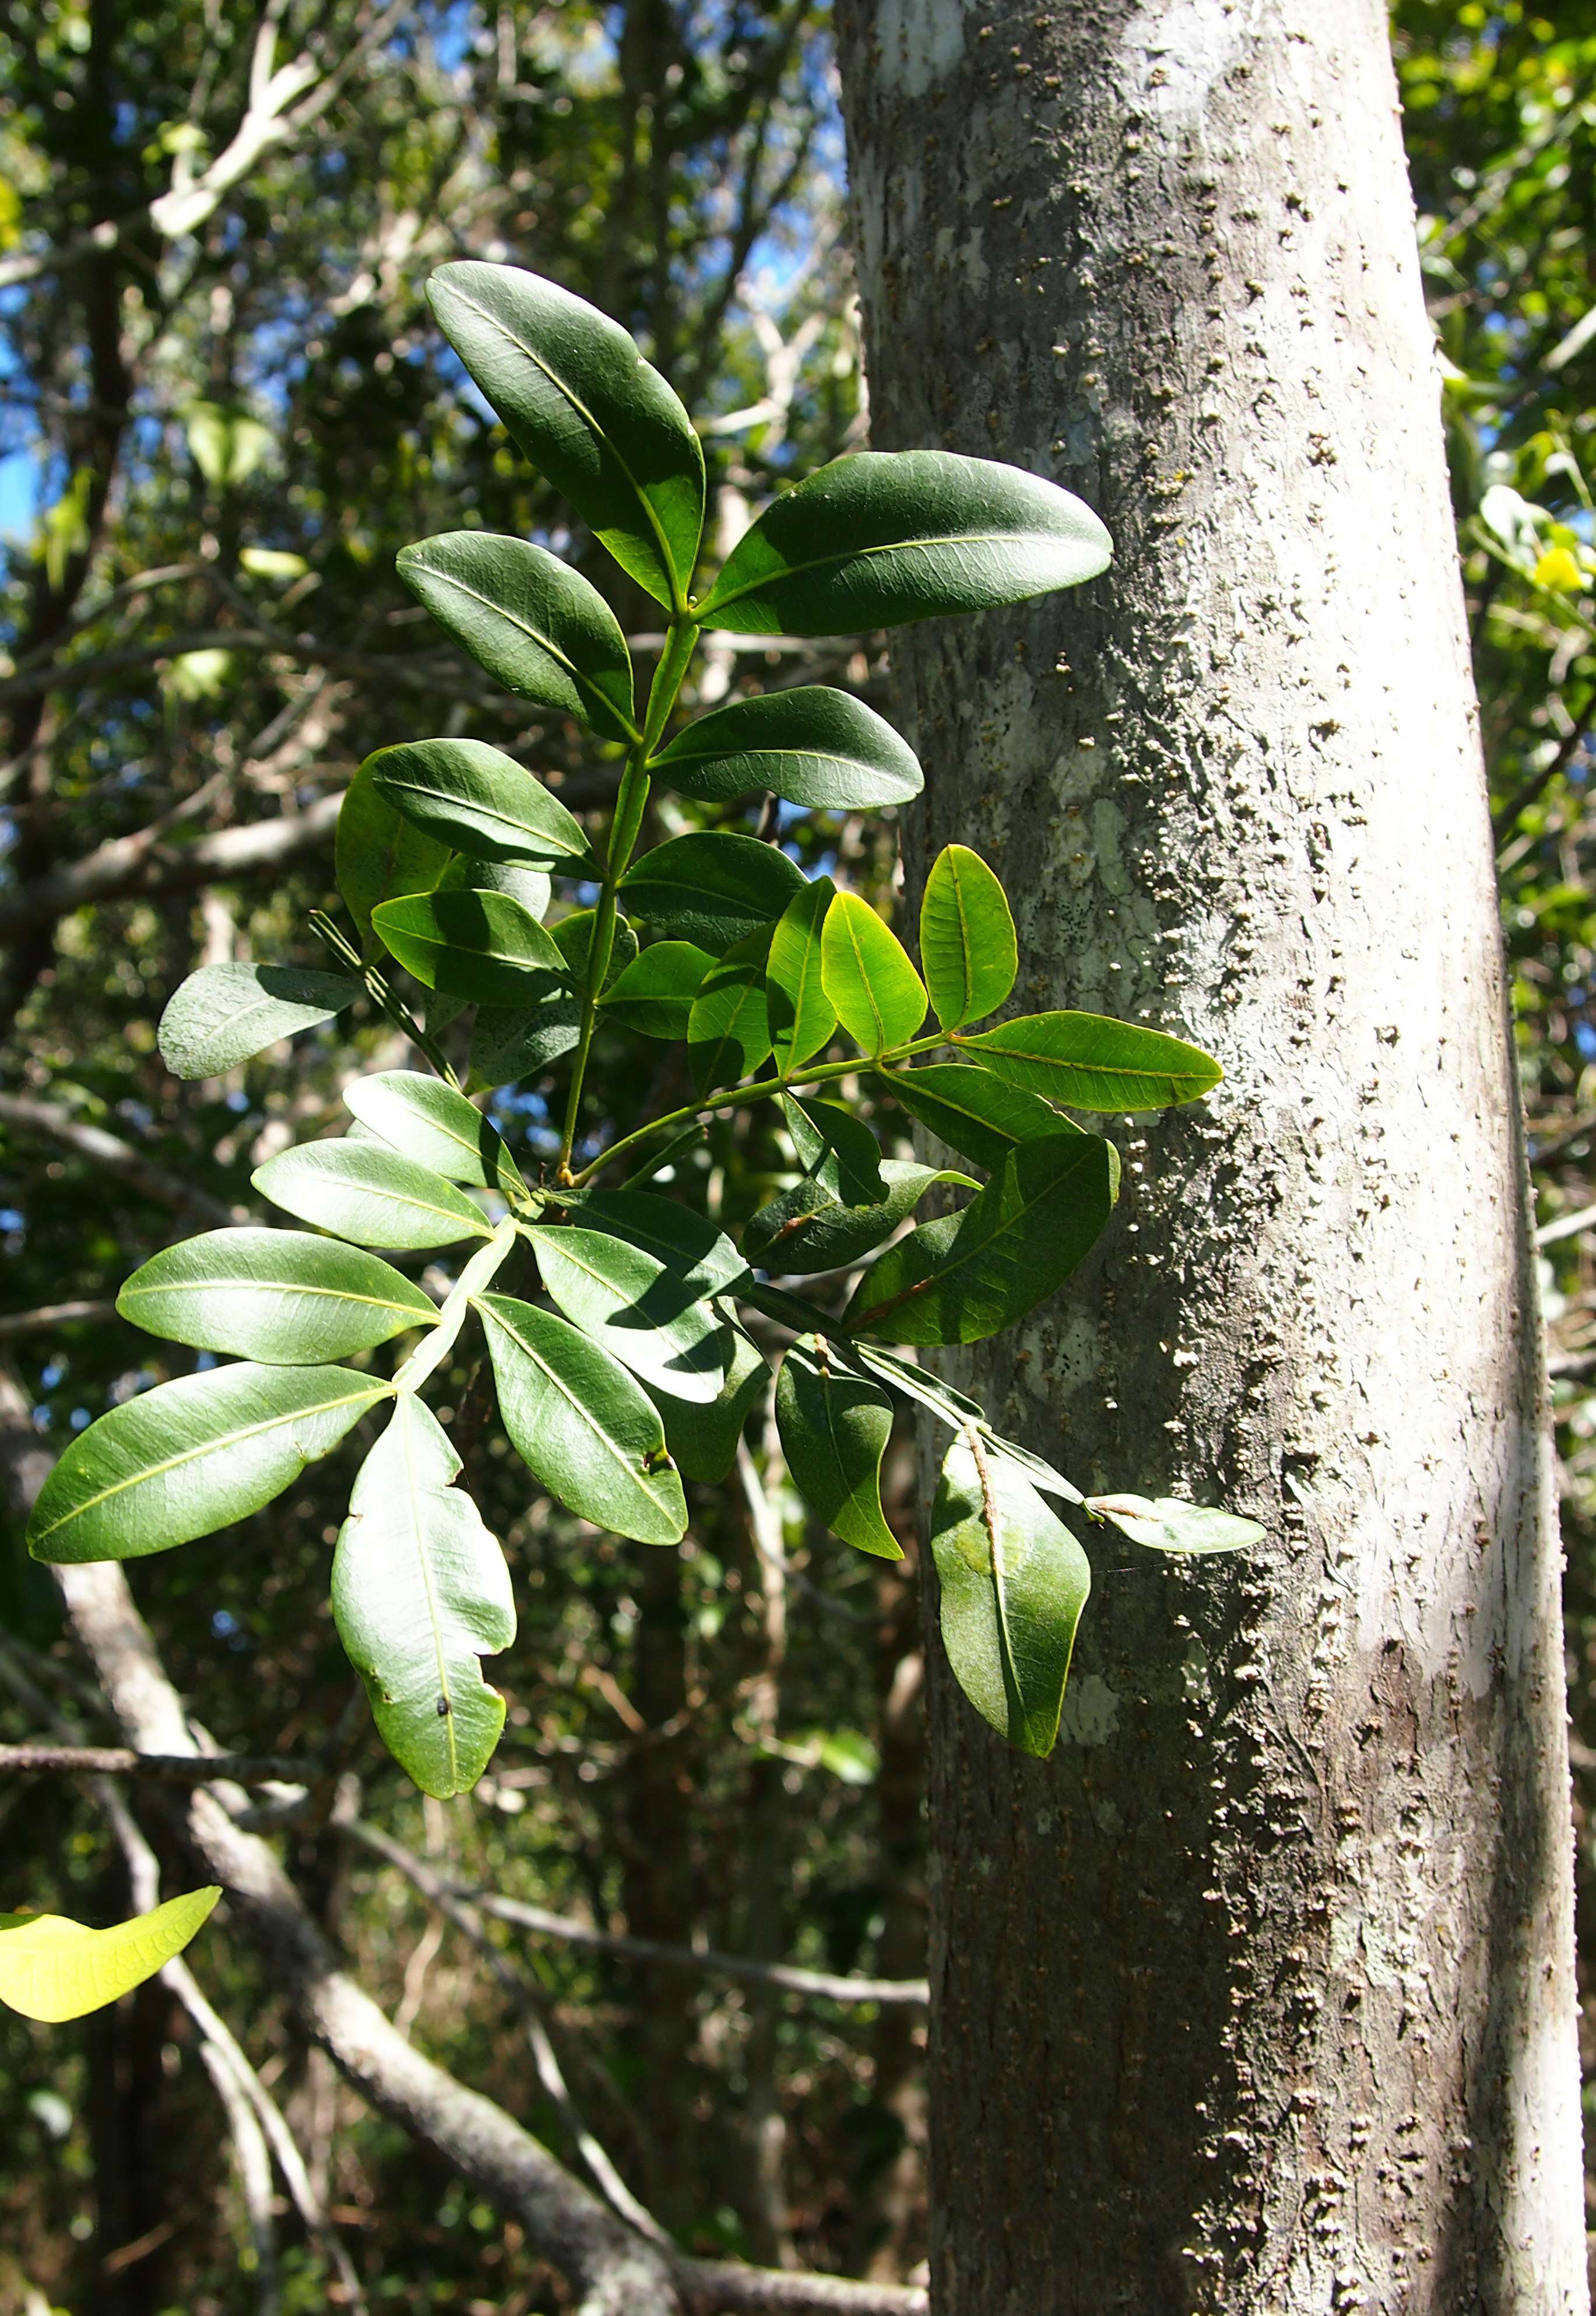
[56, 1314]
[163, 1768]
[1567, 1226]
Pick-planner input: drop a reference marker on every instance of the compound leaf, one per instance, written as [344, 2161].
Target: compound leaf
[711, 887]
[221, 1015]
[967, 937]
[191, 1457]
[815, 746]
[584, 406]
[1093, 1063]
[530, 621]
[1012, 1581]
[465, 795]
[273, 1294]
[375, 1196]
[880, 538]
[420, 1594]
[834, 1429]
[581, 1425]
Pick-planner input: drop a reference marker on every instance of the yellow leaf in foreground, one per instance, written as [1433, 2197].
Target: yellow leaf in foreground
[52, 1968]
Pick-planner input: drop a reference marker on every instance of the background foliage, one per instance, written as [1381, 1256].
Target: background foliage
[233, 420]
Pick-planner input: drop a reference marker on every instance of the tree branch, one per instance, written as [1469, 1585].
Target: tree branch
[160, 1768]
[114, 1156]
[56, 1314]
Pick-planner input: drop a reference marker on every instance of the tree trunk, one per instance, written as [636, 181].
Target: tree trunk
[1258, 1996]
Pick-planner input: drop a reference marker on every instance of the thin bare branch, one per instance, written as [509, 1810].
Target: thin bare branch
[112, 1155]
[159, 1768]
[56, 1314]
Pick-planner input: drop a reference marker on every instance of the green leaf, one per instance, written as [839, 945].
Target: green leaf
[1037, 1470]
[920, 1384]
[702, 1435]
[801, 1016]
[368, 1193]
[883, 537]
[530, 621]
[274, 1295]
[834, 1428]
[581, 1425]
[378, 854]
[645, 1315]
[655, 993]
[191, 1457]
[429, 1122]
[224, 1013]
[728, 1028]
[1012, 1581]
[52, 1968]
[521, 1041]
[690, 1248]
[970, 1274]
[474, 798]
[1093, 1063]
[821, 1127]
[867, 974]
[815, 746]
[967, 937]
[972, 1111]
[482, 947]
[530, 887]
[573, 938]
[809, 1228]
[1168, 1524]
[585, 408]
[420, 1594]
[710, 888]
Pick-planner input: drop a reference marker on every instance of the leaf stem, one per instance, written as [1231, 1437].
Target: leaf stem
[376, 988]
[630, 805]
[440, 1338]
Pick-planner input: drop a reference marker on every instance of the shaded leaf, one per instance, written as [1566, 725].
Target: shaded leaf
[581, 1425]
[368, 1193]
[530, 887]
[573, 938]
[655, 993]
[918, 1384]
[274, 1295]
[728, 1028]
[823, 1129]
[834, 1426]
[710, 888]
[1169, 1524]
[801, 1016]
[521, 1042]
[970, 1274]
[191, 1457]
[1093, 1063]
[810, 1229]
[646, 1316]
[701, 1434]
[530, 621]
[480, 801]
[867, 974]
[815, 746]
[378, 854]
[585, 408]
[484, 946]
[221, 1015]
[880, 538]
[1013, 1582]
[52, 1968]
[967, 937]
[420, 1594]
[972, 1111]
[1037, 1470]
[686, 1245]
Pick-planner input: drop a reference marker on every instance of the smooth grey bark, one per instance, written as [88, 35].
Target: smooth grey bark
[1258, 1996]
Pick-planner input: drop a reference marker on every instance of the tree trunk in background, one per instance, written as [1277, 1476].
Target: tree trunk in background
[1258, 1996]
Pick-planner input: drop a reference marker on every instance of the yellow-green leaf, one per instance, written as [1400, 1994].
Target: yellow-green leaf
[53, 1968]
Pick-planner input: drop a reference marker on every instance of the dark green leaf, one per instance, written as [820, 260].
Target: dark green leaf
[820, 1129]
[191, 1457]
[728, 1028]
[482, 802]
[1040, 1473]
[530, 887]
[274, 1295]
[702, 1437]
[1168, 1524]
[573, 938]
[867, 974]
[834, 1428]
[970, 1274]
[581, 1425]
[792, 1310]
[531, 621]
[647, 1317]
[224, 1013]
[813, 745]
[1012, 1581]
[655, 993]
[918, 1384]
[967, 937]
[482, 947]
[974, 1113]
[369, 1193]
[809, 1228]
[689, 1248]
[1093, 1063]
[883, 537]
[420, 1594]
[585, 408]
[710, 888]
[429, 1122]
[521, 1042]
[801, 1016]
[379, 854]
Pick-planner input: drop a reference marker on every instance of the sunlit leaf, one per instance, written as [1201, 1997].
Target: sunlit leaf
[1169, 1524]
[655, 993]
[273, 1294]
[801, 1016]
[972, 1111]
[728, 1028]
[867, 974]
[1093, 1063]
[967, 937]
[818, 747]
[484, 946]
[375, 1196]
[481, 802]
[429, 1122]
[379, 855]
[52, 1968]
[648, 1316]
[710, 888]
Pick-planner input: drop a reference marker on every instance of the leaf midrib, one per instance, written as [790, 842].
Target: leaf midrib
[584, 684]
[445, 1688]
[1077, 1069]
[275, 1287]
[494, 813]
[718, 602]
